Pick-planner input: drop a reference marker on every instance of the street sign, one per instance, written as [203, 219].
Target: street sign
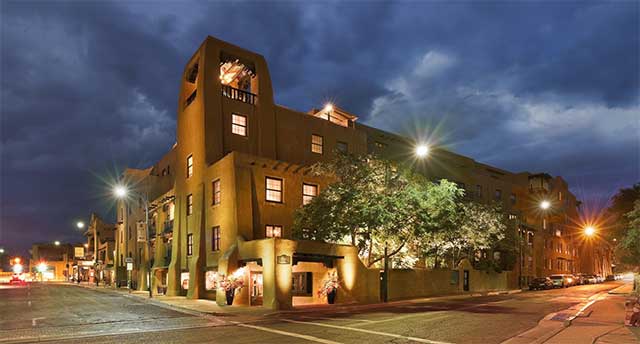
[128, 260]
[129, 266]
[142, 232]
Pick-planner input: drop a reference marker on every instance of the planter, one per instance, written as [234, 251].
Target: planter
[230, 294]
[331, 297]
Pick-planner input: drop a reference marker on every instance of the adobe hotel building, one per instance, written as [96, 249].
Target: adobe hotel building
[222, 199]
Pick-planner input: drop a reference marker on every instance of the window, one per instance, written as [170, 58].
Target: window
[216, 191]
[530, 238]
[513, 198]
[302, 284]
[479, 191]
[239, 124]
[544, 223]
[189, 244]
[316, 144]
[215, 238]
[309, 191]
[189, 204]
[273, 231]
[513, 217]
[189, 166]
[559, 195]
[498, 195]
[380, 145]
[274, 190]
[342, 147]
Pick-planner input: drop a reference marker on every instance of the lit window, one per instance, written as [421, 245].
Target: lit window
[189, 166]
[274, 189]
[342, 147]
[189, 244]
[216, 191]
[559, 195]
[189, 204]
[239, 124]
[215, 238]
[272, 231]
[309, 191]
[316, 144]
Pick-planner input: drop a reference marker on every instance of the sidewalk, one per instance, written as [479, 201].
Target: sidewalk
[210, 307]
[598, 320]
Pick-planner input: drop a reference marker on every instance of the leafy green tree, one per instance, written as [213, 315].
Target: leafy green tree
[631, 240]
[621, 228]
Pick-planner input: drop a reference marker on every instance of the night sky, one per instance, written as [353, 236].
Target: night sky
[90, 87]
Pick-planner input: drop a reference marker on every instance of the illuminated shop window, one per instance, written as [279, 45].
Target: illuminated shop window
[309, 191]
[274, 189]
[273, 231]
[239, 124]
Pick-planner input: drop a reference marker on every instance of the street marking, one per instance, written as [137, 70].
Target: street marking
[403, 317]
[290, 334]
[35, 320]
[325, 318]
[415, 339]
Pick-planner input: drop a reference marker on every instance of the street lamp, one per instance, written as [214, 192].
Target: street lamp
[120, 191]
[57, 243]
[80, 224]
[422, 150]
[1, 250]
[589, 231]
[544, 205]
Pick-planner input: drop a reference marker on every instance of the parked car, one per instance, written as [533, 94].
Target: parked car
[581, 279]
[572, 280]
[541, 283]
[591, 279]
[599, 278]
[560, 281]
[610, 278]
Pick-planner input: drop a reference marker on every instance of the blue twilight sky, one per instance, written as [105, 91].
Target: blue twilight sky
[89, 87]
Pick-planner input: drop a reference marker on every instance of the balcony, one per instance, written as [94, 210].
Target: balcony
[239, 95]
[168, 226]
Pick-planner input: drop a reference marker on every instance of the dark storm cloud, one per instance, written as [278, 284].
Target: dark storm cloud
[90, 87]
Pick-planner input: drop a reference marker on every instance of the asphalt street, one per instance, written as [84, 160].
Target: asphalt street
[70, 314]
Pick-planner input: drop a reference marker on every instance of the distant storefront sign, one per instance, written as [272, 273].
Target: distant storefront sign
[78, 252]
[284, 259]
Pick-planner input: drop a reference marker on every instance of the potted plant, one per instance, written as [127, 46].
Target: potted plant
[329, 287]
[231, 283]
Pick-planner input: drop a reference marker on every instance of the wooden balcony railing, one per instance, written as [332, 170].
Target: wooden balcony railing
[240, 95]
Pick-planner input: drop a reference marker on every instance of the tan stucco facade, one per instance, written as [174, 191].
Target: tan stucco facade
[209, 210]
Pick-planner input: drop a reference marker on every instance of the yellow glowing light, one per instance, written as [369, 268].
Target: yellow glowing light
[120, 191]
[42, 267]
[57, 243]
[17, 268]
[16, 260]
[328, 107]
[238, 273]
[545, 205]
[589, 231]
[1, 250]
[422, 150]
[80, 224]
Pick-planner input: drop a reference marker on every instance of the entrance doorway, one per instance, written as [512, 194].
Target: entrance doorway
[255, 279]
[465, 280]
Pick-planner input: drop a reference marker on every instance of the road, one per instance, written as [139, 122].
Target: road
[70, 314]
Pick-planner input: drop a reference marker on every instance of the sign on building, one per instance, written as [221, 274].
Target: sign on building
[78, 252]
[142, 232]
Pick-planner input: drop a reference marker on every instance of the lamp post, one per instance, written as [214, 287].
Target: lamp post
[121, 192]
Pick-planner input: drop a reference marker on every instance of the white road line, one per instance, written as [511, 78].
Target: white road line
[415, 339]
[35, 320]
[325, 318]
[290, 334]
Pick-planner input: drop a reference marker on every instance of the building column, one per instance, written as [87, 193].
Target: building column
[198, 258]
[179, 230]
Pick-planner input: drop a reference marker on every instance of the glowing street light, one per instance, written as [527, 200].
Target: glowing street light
[57, 243]
[589, 231]
[544, 205]
[422, 150]
[80, 224]
[328, 107]
[42, 267]
[1, 250]
[120, 191]
[17, 268]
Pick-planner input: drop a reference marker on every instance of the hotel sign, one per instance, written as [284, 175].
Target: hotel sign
[284, 259]
[78, 252]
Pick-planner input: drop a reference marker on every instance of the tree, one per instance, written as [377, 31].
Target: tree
[631, 240]
[376, 204]
[621, 214]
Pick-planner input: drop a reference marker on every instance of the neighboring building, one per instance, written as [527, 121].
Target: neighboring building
[50, 262]
[100, 250]
[221, 201]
